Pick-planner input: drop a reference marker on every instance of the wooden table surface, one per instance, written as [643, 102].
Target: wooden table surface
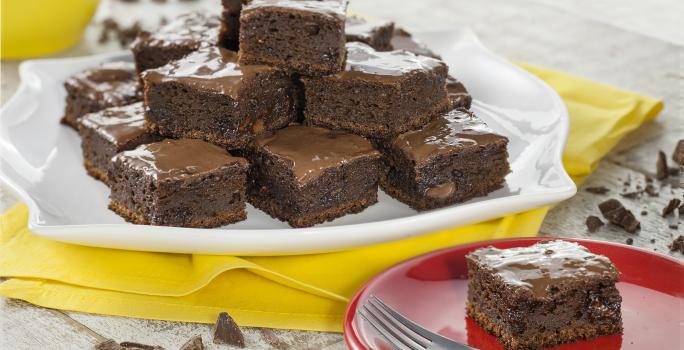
[635, 45]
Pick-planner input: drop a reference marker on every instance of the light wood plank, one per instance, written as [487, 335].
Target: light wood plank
[23, 326]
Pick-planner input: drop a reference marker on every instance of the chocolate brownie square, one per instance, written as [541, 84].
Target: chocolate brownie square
[302, 36]
[540, 296]
[230, 28]
[183, 182]
[110, 85]
[403, 40]
[452, 159]
[110, 131]
[308, 175]
[379, 94]
[458, 95]
[179, 37]
[376, 33]
[207, 95]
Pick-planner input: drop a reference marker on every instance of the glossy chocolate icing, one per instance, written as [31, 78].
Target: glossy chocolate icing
[455, 130]
[190, 29]
[210, 68]
[178, 159]
[363, 62]
[545, 265]
[402, 40]
[312, 150]
[111, 83]
[118, 125]
[334, 8]
[362, 28]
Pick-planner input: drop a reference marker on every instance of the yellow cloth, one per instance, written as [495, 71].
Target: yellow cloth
[299, 292]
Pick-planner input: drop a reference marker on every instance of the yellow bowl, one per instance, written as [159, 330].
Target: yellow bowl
[33, 28]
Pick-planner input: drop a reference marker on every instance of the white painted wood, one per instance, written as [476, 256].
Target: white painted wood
[631, 44]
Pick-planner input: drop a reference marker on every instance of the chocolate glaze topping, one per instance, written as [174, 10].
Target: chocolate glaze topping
[178, 159]
[545, 265]
[192, 28]
[113, 82]
[312, 150]
[118, 125]
[455, 130]
[209, 68]
[363, 28]
[365, 63]
[402, 40]
[334, 8]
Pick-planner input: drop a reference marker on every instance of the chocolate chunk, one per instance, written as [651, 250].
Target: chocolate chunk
[677, 244]
[616, 214]
[597, 190]
[678, 154]
[593, 223]
[194, 343]
[661, 166]
[629, 241]
[631, 195]
[651, 190]
[671, 206]
[226, 331]
[129, 345]
[108, 344]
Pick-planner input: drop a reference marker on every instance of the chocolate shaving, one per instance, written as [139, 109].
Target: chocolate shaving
[597, 190]
[194, 343]
[226, 331]
[661, 166]
[617, 215]
[678, 154]
[129, 345]
[631, 195]
[593, 223]
[671, 206]
[108, 344]
[677, 244]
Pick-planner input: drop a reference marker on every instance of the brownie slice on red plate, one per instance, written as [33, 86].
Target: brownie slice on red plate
[110, 131]
[379, 94]
[302, 36]
[307, 175]
[208, 95]
[544, 295]
[110, 85]
[181, 36]
[454, 158]
[184, 182]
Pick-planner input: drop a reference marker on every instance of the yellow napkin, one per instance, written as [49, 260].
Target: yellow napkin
[298, 292]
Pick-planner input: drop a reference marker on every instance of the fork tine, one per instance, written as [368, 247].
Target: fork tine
[403, 320]
[394, 338]
[415, 337]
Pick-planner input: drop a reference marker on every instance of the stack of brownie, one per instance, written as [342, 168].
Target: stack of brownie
[289, 105]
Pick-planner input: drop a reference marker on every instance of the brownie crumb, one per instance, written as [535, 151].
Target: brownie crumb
[129, 345]
[648, 179]
[226, 331]
[674, 226]
[674, 171]
[593, 223]
[616, 214]
[194, 343]
[644, 213]
[652, 240]
[661, 166]
[671, 206]
[678, 154]
[597, 190]
[677, 244]
[108, 344]
[629, 241]
[651, 190]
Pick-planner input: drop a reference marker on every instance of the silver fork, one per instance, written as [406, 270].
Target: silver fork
[400, 332]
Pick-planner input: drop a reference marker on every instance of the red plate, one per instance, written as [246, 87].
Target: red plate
[431, 290]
